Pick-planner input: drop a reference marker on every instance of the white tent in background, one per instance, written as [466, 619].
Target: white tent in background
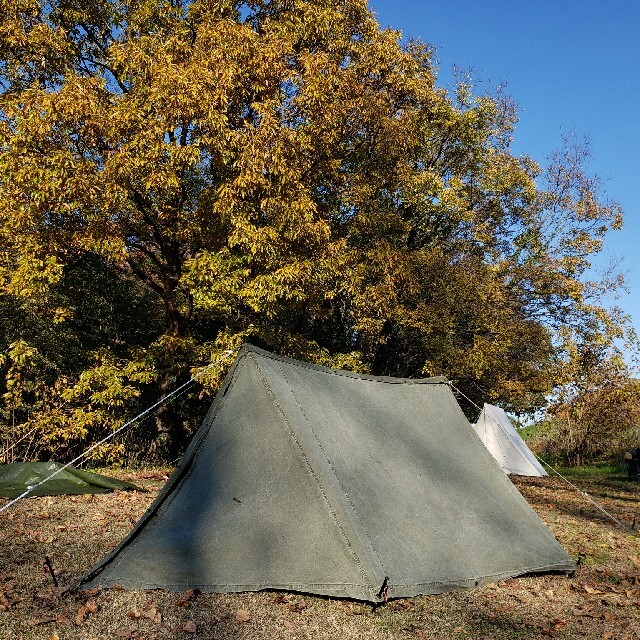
[505, 444]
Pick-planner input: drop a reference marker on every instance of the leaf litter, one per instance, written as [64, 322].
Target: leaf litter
[601, 601]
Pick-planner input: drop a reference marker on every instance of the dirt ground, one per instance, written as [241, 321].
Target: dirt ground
[601, 601]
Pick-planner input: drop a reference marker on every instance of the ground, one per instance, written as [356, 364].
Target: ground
[601, 601]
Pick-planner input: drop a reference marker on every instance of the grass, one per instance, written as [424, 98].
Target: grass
[596, 470]
[602, 601]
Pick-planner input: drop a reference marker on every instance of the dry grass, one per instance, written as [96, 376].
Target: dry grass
[602, 601]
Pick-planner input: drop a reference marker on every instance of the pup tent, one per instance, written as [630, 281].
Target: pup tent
[17, 477]
[307, 479]
[505, 444]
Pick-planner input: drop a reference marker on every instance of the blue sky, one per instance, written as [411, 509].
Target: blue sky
[571, 67]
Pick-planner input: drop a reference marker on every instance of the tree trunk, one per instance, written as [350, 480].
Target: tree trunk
[167, 442]
[170, 435]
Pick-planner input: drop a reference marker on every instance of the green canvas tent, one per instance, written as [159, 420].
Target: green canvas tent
[17, 477]
[308, 479]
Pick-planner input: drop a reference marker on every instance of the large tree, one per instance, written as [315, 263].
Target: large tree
[285, 172]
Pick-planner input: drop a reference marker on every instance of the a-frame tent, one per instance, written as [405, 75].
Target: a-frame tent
[505, 444]
[308, 479]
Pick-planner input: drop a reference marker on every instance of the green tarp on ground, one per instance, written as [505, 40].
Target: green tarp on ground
[17, 477]
[308, 479]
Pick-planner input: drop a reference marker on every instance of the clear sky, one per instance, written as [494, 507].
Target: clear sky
[571, 66]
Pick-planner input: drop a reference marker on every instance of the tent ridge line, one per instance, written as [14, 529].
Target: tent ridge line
[314, 475]
[343, 373]
[495, 426]
[509, 439]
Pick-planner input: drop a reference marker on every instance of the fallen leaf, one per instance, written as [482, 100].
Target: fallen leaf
[411, 628]
[81, 614]
[586, 613]
[41, 621]
[242, 615]
[132, 614]
[287, 624]
[149, 613]
[281, 598]
[91, 606]
[591, 590]
[125, 633]
[559, 624]
[532, 623]
[458, 629]
[46, 595]
[510, 583]
[609, 617]
[92, 592]
[185, 599]
[190, 627]
[504, 608]
[301, 605]
[155, 476]
[62, 619]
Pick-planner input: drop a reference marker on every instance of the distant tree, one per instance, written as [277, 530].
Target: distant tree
[596, 417]
[281, 172]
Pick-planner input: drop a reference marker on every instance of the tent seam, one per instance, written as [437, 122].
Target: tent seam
[335, 475]
[295, 586]
[305, 458]
[499, 443]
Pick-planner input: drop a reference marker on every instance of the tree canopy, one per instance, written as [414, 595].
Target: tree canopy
[180, 176]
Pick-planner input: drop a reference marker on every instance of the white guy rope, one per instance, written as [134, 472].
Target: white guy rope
[585, 495]
[147, 411]
[462, 394]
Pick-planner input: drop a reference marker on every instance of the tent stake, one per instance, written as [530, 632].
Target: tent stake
[49, 567]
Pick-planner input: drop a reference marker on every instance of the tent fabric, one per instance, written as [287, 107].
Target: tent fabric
[505, 444]
[17, 477]
[308, 479]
